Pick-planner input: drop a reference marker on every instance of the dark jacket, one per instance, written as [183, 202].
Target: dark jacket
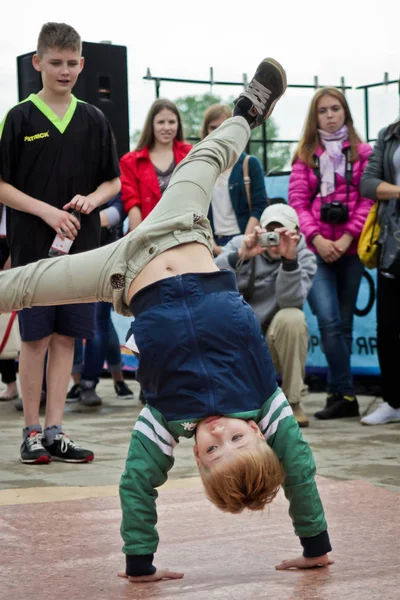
[237, 192]
[380, 165]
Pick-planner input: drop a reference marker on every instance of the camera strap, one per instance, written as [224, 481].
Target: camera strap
[248, 292]
[348, 174]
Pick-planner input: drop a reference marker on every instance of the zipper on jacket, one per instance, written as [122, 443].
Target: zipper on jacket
[197, 348]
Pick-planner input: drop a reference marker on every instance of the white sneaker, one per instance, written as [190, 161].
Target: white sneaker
[383, 414]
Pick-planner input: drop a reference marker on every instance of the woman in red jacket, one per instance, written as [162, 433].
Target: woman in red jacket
[145, 172]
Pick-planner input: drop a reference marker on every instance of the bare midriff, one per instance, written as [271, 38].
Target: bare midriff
[186, 258]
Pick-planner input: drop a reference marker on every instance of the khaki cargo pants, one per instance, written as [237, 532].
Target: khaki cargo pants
[105, 274]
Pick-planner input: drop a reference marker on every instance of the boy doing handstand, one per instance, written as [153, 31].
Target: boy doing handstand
[204, 364]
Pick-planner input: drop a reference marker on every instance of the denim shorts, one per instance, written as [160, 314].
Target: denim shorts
[72, 320]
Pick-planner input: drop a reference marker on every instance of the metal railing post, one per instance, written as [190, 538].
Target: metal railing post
[366, 114]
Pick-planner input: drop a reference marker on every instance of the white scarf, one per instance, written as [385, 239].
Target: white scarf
[332, 160]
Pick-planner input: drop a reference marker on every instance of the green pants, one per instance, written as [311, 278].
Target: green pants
[105, 274]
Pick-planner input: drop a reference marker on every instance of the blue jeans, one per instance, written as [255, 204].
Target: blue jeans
[103, 346]
[332, 299]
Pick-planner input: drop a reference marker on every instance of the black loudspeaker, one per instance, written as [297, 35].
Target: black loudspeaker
[103, 83]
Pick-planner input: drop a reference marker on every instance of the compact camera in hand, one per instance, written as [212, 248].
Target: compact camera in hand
[334, 213]
[271, 238]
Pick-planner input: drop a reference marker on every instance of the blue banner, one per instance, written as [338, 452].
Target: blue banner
[364, 359]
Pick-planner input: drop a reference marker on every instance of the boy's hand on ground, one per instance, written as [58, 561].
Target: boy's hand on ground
[157, 576]
[82, 204]
[65, 224]
[301, 562]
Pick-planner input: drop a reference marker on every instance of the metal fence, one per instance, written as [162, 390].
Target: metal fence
[264, 141]
[386, 82]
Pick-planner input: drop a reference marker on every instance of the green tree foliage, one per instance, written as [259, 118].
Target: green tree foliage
[134, 138]
[278, 154]
[192, 109]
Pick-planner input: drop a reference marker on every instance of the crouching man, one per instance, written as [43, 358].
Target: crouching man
[274, 271]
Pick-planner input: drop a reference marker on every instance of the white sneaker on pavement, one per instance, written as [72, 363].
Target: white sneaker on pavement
[383, 414]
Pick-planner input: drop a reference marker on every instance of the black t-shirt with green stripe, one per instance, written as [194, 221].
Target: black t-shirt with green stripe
[52, 160]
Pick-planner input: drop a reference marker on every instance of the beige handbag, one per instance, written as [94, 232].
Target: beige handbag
[10, 340]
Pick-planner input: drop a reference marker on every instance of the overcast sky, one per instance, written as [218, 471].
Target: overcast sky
[357, 39]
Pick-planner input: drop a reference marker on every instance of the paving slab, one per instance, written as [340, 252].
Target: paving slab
[59, 524]
[72, 549]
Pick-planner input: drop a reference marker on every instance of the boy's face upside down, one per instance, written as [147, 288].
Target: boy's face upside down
[219, 439]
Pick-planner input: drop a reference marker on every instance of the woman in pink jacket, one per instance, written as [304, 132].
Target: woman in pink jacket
[324, 188]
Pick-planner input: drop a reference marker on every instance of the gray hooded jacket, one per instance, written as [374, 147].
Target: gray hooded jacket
[278, 284]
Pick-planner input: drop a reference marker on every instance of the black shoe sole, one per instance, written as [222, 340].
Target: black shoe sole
[73, 460]
[282, 71]
[322, 416]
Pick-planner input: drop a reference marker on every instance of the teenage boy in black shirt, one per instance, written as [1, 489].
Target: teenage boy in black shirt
[57, 154]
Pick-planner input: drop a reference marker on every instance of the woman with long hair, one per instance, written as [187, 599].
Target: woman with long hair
[324, 188]
[234, 210]
[145, 172]
[381, 182]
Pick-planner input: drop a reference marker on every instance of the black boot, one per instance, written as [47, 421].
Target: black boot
[339, 407]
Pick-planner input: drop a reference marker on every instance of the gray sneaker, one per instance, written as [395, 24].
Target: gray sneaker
[89, 397]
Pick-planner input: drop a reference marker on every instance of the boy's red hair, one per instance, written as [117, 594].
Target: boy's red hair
[251, 480]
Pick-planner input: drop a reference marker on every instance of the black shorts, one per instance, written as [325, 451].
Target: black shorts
[72, 320]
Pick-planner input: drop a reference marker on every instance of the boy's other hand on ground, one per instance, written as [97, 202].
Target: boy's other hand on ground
[157, 576]
[301, 562]
[63, 223]
[82, 204]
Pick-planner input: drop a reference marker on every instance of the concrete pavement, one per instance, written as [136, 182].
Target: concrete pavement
[59, 523]
[343, 449]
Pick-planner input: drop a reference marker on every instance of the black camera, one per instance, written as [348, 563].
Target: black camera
[334, 213]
